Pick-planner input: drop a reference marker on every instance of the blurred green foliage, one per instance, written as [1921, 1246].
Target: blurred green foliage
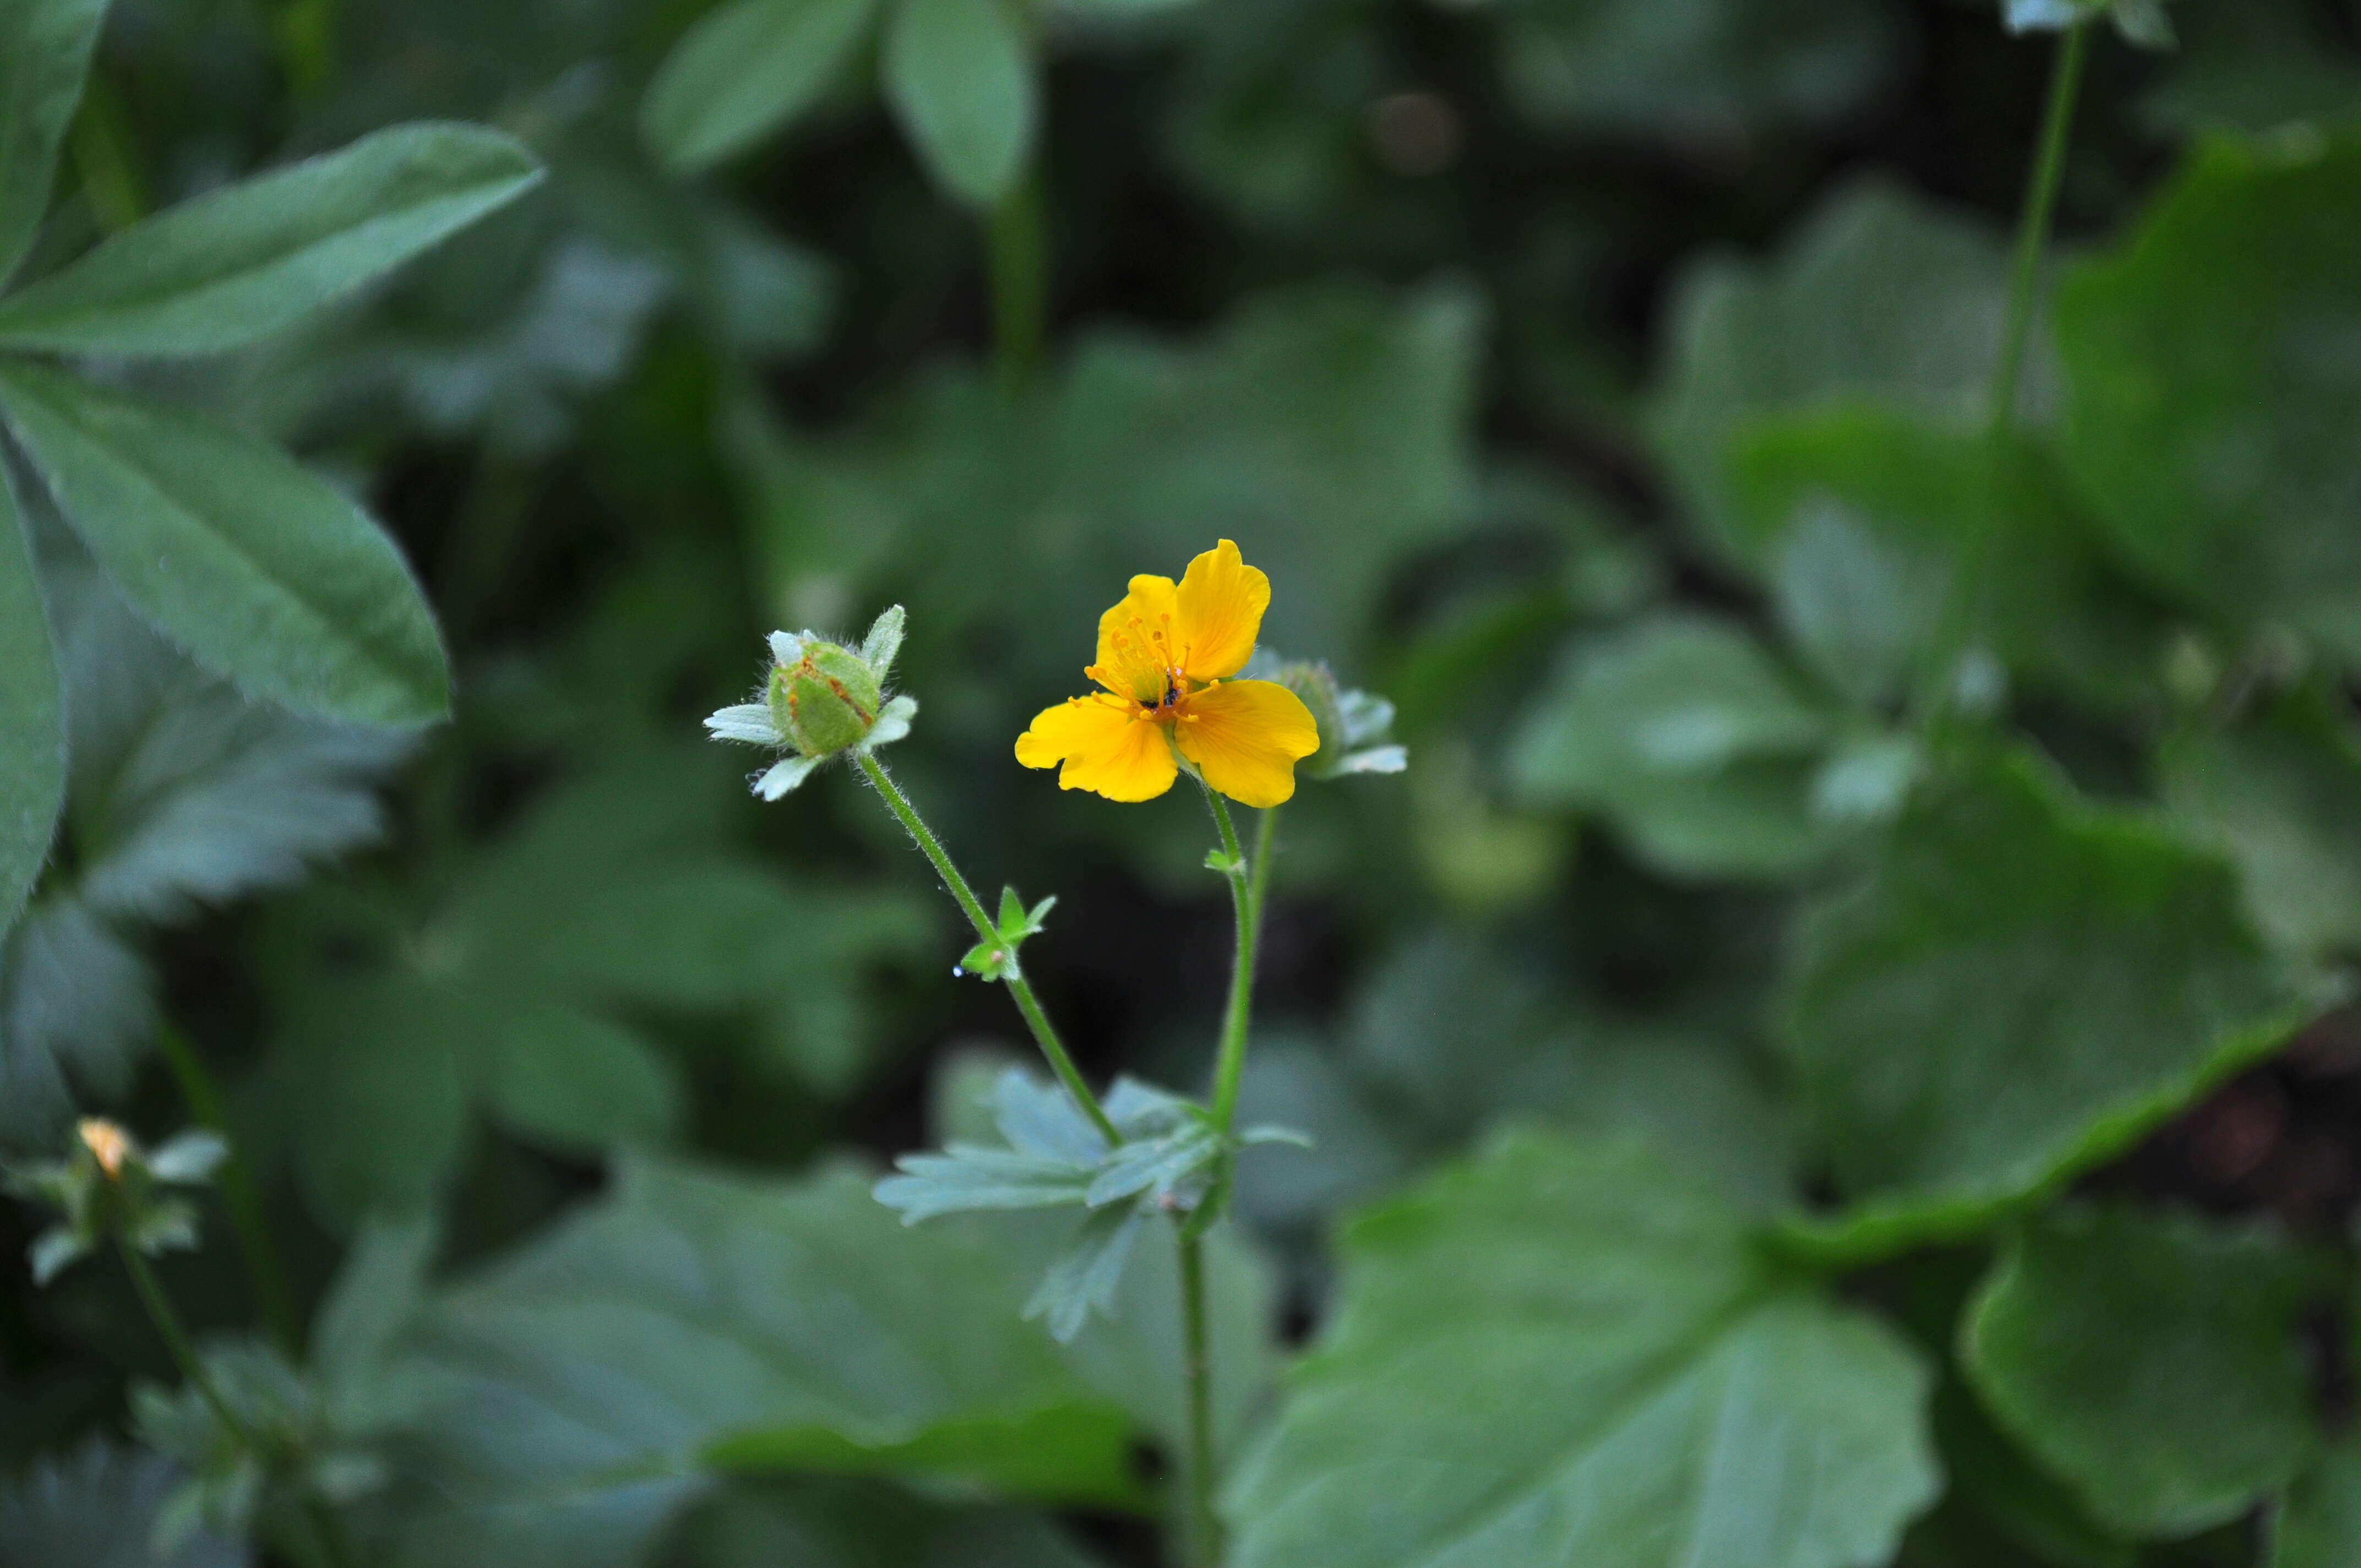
[1834, 1054]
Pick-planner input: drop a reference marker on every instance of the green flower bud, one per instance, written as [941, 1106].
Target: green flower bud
[826, 701]
[1356, 728]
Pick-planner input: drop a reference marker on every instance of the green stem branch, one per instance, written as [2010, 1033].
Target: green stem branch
[1053, 1049]
[1963, 605]
[176, 1340]
[1200, 1531]
[2033, 227]
[1248, 882]
[265, 1275]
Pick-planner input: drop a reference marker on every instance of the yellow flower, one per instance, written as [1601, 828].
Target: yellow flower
[1165, 656]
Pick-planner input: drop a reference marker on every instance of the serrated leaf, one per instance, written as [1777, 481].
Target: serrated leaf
[266, 576]
[45, 50]
[2151, 1362]
[377, 1294]
[745, 69]
[1684, 733]
[966, 1178]
[32, 734]
[2217, 461]
[183, 792]
[77, 1006]
[249, 260]
[529, 979]
[687, 1326]
[1088, 1272]
[959, 77]
[97, 1507]
[1860, 520]
[1879, 297]
[1567, 1351]
[2018, 985]
[2275, 794]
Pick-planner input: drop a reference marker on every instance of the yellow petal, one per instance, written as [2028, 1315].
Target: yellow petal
[1136, 646]
[1220, 604]
[1103, 748]
[1245, 737]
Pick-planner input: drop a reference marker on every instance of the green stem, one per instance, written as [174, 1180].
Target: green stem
[176, 1338]
[1020, 284]
[1043, 1035]
[1248, 882]
[265, 1275]
[2033, 228]
[1200, 1531]
[1963, 604]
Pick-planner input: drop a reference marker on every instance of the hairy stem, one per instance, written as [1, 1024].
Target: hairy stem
[265, 1275]
[1044, 1035]
[176, 1340]
[1201, 1533]
[1249, 881]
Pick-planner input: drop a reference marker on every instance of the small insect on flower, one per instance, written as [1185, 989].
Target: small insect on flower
[1166, 657]
[820, 700]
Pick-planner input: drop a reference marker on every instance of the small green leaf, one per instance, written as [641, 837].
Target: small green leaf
[1012, 915]
[263, 573]
[1568, 1352]
[745, 69]
[2151, 1362]
[987, 960]
[244, 262]
[2019, 985]
[959, 76]
[44, 47]
[32, 736]
[969, 1177]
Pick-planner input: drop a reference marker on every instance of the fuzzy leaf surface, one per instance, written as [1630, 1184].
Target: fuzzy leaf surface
[1567, 1351]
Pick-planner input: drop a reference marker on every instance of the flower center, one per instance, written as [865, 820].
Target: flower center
[1149, 668]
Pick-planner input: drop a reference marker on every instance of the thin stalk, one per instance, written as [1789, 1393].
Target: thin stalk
[265, 1275]
[2033, 227]
[1020, 284]
[176, 1340]
[1043, 1034]
[1248, 883]
[1201, 1534]
[1963, 605]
